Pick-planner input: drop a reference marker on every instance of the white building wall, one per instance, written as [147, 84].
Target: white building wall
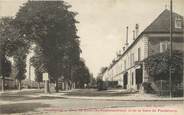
[142, 43]
[117, 71]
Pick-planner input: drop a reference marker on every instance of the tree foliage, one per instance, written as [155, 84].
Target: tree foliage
[36, 62]
[11, 39]
[11, 42]
[158, 66]
[38, 76]
[20, 64]
[81, 74]
[51, 26]
[5, 71]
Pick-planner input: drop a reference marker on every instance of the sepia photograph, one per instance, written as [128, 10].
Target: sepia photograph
[86, 57]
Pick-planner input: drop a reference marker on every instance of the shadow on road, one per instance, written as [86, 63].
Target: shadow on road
[22, 98]
[96, 93]
[20, 107]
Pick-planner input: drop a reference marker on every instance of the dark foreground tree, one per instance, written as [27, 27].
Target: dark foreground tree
[5, 70]
[5, 65]
[10, 42]
[51, 26]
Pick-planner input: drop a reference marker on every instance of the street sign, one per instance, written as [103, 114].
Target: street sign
[45, 76]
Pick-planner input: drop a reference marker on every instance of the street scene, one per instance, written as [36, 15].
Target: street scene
[91, 57]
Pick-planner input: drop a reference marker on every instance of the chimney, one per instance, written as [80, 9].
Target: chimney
[126, 37]
[136, 30]
[133, 34]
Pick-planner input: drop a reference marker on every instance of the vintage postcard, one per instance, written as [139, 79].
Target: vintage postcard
[85, 57]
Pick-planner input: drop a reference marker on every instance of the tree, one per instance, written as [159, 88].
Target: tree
[51, 26]
[39, 77]
[5, 70]
[102, 71]
[20, 65]
[10, 42]
[82, 75]
[5, 64]
[36, 61]
[11, 39]
[93, 81]
[158, 65]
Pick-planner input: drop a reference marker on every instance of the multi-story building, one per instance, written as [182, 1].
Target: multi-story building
[129, 68]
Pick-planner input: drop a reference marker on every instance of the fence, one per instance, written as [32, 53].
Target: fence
[164, 88]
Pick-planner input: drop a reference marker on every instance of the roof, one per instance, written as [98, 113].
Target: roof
[162, 23]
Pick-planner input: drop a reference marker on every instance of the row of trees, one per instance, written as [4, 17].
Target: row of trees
[51, 27]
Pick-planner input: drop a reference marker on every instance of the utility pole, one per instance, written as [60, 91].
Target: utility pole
[171, 36]
[30, 74]
[1, 67]
[183, 59]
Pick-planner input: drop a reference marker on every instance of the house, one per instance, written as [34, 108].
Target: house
[129, 68]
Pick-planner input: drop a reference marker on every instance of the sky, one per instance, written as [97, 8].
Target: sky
[102, 27]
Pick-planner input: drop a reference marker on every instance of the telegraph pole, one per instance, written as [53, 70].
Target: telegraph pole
[171, 36]
[30, 74]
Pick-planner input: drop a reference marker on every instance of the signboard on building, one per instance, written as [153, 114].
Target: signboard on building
[45, 76]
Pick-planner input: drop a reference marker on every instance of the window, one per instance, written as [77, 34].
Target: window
[163, 46]
[124, 64]
[139, 54]
[132, 59]
[178, 22]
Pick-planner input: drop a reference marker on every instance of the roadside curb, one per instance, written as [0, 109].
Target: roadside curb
[113, 99]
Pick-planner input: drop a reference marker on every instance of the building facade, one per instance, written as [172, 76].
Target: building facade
[129, 68]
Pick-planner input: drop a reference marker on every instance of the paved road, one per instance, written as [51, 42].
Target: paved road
[46, 105]
[31, 102]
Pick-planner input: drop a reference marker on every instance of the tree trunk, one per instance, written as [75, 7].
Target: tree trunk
[67, 85]
[71, 77]
[73, 85]
[39, 85]
[19, 84]
[57, 88]
[68, 82]
[3, 84]
[64, 85]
